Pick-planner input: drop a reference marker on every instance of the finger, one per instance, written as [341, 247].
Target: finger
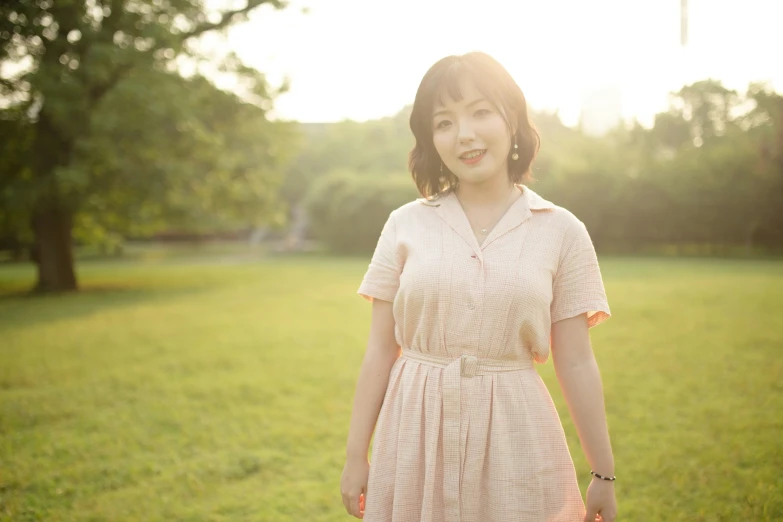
[351, 503]
[590, 516]
[355, 508]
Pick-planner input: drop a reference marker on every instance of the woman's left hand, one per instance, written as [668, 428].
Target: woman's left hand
[601, 503]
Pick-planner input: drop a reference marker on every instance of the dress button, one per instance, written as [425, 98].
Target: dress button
[470, 306]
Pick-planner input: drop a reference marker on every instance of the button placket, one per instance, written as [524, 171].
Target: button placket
[477, 282]
[478, 302]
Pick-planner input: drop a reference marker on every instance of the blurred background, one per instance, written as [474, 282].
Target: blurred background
[190, 191]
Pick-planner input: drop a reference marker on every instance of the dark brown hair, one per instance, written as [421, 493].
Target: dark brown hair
[499, 88]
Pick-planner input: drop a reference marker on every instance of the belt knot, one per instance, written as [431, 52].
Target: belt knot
[468, 365]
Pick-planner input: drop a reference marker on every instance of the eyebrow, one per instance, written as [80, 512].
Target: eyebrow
[471, 104]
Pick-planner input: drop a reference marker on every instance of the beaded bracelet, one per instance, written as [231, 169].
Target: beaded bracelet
[593, 473]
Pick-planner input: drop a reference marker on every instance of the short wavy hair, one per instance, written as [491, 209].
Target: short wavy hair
[498, 87]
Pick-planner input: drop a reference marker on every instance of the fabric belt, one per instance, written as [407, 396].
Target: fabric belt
[455, 369]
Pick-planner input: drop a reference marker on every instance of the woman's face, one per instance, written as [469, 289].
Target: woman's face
[471, 136]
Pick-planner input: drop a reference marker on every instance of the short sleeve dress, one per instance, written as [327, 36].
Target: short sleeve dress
[468, 431]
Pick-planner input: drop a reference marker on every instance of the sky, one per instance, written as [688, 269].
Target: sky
[363, 59]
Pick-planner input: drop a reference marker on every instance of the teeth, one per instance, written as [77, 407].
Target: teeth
[473, 154]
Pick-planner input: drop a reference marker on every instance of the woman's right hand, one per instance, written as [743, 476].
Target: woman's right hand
[353, 485]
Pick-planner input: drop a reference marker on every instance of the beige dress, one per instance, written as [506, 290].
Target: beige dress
[468, 431]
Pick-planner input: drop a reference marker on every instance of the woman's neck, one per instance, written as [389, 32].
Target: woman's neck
[489, 193]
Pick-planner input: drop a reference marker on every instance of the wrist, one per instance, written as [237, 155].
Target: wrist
[604, 467]
[603, 478]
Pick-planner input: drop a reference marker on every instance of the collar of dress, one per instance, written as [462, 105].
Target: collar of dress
[450, 210]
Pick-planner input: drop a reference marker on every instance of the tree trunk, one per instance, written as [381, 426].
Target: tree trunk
[54, 250]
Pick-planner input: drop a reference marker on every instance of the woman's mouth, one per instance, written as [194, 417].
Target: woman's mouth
[472, 157]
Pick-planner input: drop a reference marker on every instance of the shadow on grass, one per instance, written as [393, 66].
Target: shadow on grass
[25, 308]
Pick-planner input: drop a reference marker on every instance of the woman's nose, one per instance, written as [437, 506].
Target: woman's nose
[466, 133]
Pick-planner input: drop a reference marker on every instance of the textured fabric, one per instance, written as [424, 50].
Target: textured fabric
[468, 431]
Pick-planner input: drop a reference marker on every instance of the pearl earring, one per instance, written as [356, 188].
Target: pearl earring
[515, 156]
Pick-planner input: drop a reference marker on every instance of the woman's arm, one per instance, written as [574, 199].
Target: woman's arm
[580, 380]
[381, 354]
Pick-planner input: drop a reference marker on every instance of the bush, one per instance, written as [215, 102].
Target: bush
[347, 210]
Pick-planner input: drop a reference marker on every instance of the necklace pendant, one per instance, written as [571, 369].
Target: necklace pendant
[484, 231]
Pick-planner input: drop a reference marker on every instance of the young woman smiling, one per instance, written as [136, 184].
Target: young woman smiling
[471, 285]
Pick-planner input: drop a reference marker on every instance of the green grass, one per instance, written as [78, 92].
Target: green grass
[215, 392]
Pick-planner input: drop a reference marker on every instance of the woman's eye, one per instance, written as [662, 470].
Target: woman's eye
[442, 124]
[482, 112]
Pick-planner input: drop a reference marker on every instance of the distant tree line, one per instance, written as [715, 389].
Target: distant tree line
[707, 178]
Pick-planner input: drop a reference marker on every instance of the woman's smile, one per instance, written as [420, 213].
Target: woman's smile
[472, 157]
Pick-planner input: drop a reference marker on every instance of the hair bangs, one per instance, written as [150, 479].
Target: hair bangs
[449, 86]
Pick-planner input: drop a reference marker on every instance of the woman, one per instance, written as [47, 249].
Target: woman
[471, 284]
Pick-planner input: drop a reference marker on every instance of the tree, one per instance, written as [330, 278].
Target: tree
[707, 106]
[61, 62]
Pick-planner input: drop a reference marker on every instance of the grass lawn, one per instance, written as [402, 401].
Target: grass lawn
[185, 391]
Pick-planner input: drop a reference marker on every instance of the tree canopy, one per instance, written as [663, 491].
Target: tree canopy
[99, 131]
